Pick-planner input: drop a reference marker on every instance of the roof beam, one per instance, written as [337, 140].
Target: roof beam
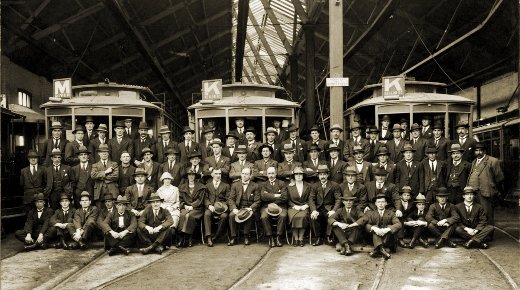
[243, 10]
[169, 11]
[277, 27]
[108, 41]
[253, 70]
[264, 41]
[35, 14]
[259, 59]
[121, 14]
[298, 8]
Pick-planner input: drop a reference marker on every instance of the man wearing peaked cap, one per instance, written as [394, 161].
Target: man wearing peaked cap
[164, 143]
[347, 214]
[85, 219]
[409, 171]
[32, 179]
[56, 141]
[144, 141]
[154, 227]
[416, 222]
[119, 228]
[285, 168]
[396, 144]
[457, 172]
[314, 133]
[82, 175]
[71, 149]
[100, 138]
[59, 179]
[36, 225]
[442, 219]
[119, 143]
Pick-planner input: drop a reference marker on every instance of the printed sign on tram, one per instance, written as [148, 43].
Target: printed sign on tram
[212, 89]
[393, 87]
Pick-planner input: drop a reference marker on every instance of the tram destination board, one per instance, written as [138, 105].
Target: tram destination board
[212, 89]
[393, 87]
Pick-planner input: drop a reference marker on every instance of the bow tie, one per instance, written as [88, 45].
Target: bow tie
[245, 184]
[359, 162]
[40, 210]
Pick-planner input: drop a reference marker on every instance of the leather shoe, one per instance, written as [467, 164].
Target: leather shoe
[330, 241]
[124, 250]
[159, 249]
[231, 242]
[484, 246]
[210, 242]
[348, 250]
[82, 245]
[246, 241]
[112, 251]
[317, 242]
[373, 254]
[73, 245]
[278, 243]
[343, 250]
[469, 244]
[63, 244]
[301, 243]
[295, 243]
[385, 254]
[190, 242]
[58, 246]
[401, 243]
[411, 245]
[451, 244]
[146, 251]
[423, 243]
[180, 242]
[30, 247]
[439, 243]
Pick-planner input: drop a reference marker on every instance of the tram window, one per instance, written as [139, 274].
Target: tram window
[24, 98]
[220, 127]
[511, 143]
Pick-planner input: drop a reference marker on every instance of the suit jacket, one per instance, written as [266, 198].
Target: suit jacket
[359, 191]
[153, 177]
[81, 218]
[293, 198]
[365, 174]
[125, 179]
[413, 178]
[46, 149]
[389, 220]
[428, 134]
[282, 136]
[420, 148]
[252, 152]
[387, 136]
[164, 218]
[60, 217]
[327, 198]
[285, 169]
[261, 166]
[115, 148]
[336, 172]
[199, 171]
[71, 150]
[175, 171]
[389, 189]
[468, 146]
[195, 199]
[341, 146]
[442, 148]
[342, 216]
[476, 219]
[233, 157]
[93, 148]
[241, 136]
[223, 164]
[372, 151]
[457, 176]
[237, 191]
[348, 149]
[436, 213]
[236, 169]
[32, 184]
[40, 225]
[268, 191]
[413, 215]
[89, 185]
[489, 176]
[206, 151]
[432, 180]
[395, 150]
[390, 168]
[132, 195]
[134, 133]
[159, 146]
[408, 210]
[277, 154]
[67, 179]
[213, 194]
[301, 149]
[103, 213]
[111, 221]
[101, 179]
[88, 139]
[184, 153]
[139, 146]
[310, 164]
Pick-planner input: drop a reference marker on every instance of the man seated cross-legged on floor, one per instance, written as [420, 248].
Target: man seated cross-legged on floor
[341, 220]
[154, 227]
[119, 228]
[36, 225]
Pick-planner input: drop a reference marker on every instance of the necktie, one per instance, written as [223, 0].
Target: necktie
[105, 164]
[155, 215]
[420, 213]
[436, 142]
[165, 144]
[119, 140]
[242, 163]
[272, 183]
[193, 168]
[461, 141]
[171, 166]
[433, 167]
[381, 213]
[33, 169]
[127, 131]
[315, 161]
[468, 208]
[188, 147]
[140, 190]
[57, 168]
[333, 163]
[379, 186]
[323, 185]
[348, 211]
[65, 213]
[409, 164]
[84, 166]
[56, 142]
[293, 143]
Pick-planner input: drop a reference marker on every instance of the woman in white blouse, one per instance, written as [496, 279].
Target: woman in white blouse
[170, 194]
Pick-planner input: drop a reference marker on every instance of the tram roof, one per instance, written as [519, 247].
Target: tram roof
[247, 101]
[424, 98]
[100, 101]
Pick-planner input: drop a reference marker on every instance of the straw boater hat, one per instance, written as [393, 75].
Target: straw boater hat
[33, 154]
[243, 215]
[241, 149]
[154, 197]
[336, 127]
[188, 129]
[456, 147]
[287, 148]
[408, 147]
[78, 128]
[56, 125]
[216, 141]
[103, 148]
[122, 199]
[140, 171]
[420, 198]
[220, 207]
[82, 149]
[270, 130]
[143, 125]
[39, 196]
[172, 150]
[441, 191]
[119, 124]
[55, 151]
[397, 127]
[164, 130]
[166, 175]
[273, 209]
[102, 128]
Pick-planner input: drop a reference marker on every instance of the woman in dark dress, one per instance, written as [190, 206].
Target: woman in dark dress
[192, 194]
[298, 195]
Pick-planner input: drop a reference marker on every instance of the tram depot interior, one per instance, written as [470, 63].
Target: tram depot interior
[468, 49]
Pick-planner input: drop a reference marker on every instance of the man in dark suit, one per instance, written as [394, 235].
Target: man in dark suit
[59, 179]
[129, 131]
[310, 166]
[239, 131]
[120, 143]
[418, 143]
[126, 173]
[171, 165]
[101, 138]
[61, 225]
[154, 226]
[205, 148]
[85, 219]
[314, 132]
[230, 148]
[164, 144]
[352, 187]
[72, 148]
[467, 143]
[457, 172]
[281, 133]
[384, 162]
[244, 194]
[252, 145]
[383, 225]
[36, 225]
[108, 208]
[340, 221]
[90, 133]
[274, 206]
[119, 228]
[440, 142]
[434, 174]
[324, 202]
[473, 225]
[382, 186]
[416, 221]
[335, 132]
[442, 218]
[386, 132]
[217, 160]
[217, 192]
[82, 176]
[426, 130]
[299, 146]
[151, 167]
[374, 144]
[270, 136]
[356, 140]
[260, 166]
[408, 172]
[55, 142]
[336, 164]
[285, 168]
[32, 180]
[236, 167]
[188, 146]
[144, 141]
[396, 144]
[105, 174]
[406, 207]
[363, 168]
[405, 134]
[138, 193]
[486, 175]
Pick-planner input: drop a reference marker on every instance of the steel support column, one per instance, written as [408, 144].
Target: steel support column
[336, 60]
[310, 98]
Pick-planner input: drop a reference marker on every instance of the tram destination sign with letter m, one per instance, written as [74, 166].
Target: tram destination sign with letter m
[212, 89]
[393, 87]
[62, 89]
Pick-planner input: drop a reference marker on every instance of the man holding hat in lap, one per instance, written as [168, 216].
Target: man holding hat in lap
[274, 206]
[154, 227]
[215, 202]
[36, 225]
[119, 228]
[340, 221]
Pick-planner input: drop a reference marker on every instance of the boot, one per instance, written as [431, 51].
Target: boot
[423, 243]
[348, 250]
[190, 241]
[271, 242]
[278, 243]
[180, 240]
[411, 245]
[63, 244]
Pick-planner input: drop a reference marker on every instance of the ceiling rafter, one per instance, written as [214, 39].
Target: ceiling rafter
[300, 11]
[35, 14]
[259, 59]
[264, 41]
[253, 70]
[277, 26]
